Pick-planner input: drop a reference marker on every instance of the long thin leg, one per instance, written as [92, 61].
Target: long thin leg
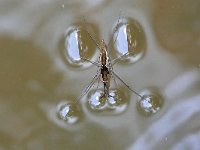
[99, 70]
[127, 85]
[93, 39]
[115, 82]
[115, 29]
[98, 82]
[92, 62]
[106, 89]
[114, 61]
[89, 86]
[110, 65]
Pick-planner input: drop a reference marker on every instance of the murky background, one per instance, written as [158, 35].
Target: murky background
[38, 79]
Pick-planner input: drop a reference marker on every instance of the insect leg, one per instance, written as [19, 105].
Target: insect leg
[93, 39]
[115, 29]
[92, 62]
[127, 85]
[114, 61]
[87, 88]
[98, 82]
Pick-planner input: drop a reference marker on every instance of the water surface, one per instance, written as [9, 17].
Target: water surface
[35, 75]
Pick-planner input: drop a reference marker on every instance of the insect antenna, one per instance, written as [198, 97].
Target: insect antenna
[113, 33]
[93, 39]
[96, 43]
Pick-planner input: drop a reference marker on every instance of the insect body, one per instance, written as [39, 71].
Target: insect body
[105, 72]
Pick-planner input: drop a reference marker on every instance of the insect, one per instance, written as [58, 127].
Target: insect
[105, 70]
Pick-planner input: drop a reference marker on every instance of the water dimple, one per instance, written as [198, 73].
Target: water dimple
[116, 98]
[115, 103]
[150, 103]
[68, 112]
[129, 40]
[78, 46]
[97, 101]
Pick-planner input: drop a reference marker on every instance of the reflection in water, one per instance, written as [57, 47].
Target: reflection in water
[96, 101]
[72, 46]
[129, 39]
[117, 99]
[68, 112]
[166, 127]
[150, 103]
[189, 142]
[78, 46]
[116, 103]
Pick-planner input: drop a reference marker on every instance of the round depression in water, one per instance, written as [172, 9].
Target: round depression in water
[69, 112]
[150, 103]
[79, 47]
[129, 40]
[115, 103]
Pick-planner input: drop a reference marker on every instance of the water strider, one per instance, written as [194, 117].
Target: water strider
[105, 70]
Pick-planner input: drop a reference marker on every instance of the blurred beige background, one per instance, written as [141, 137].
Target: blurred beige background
[34, 78]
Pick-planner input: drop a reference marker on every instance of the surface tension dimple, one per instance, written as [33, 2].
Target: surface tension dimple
[68, 112]
[150, 103]
[129, 39]
[78, 47]
[115, 103]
